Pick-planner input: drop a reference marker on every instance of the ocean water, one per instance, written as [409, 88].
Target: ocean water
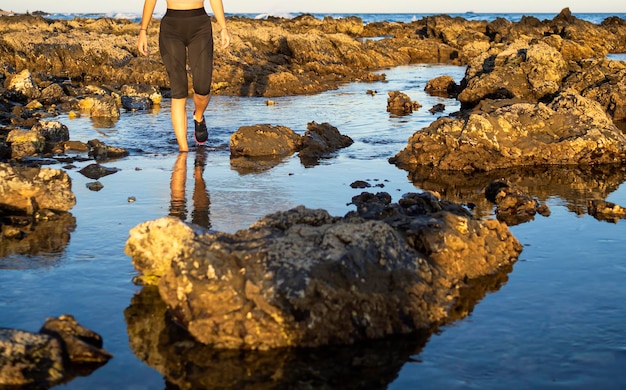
[596, 18]
[553, 321]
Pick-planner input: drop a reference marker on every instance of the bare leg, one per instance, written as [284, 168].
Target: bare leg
[179, 122]
[201, 102]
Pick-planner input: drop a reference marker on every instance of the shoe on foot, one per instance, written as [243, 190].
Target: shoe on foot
[201, 134]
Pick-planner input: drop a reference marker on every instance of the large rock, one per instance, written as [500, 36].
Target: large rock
[30, 189]
[304, 278]
[570, 130]
[264, 140]
[521, 71]
[61, 350]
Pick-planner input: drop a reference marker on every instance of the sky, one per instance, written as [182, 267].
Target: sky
[329, 6]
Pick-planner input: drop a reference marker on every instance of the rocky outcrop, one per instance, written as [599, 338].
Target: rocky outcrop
[276, 57]
[184, 362]
[62, 350]
[28, 190]
[258, 147]
[570, 130]
[304, 278]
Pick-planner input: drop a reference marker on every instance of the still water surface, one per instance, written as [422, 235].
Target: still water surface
[556, 320]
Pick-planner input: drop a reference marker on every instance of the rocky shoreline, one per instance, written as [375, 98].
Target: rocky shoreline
[536, 95]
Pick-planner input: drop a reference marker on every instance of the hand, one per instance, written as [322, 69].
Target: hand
[142, 42]
[225, 38]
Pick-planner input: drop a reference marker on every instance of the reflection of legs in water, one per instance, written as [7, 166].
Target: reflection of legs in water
[178, 204]
[201, 201]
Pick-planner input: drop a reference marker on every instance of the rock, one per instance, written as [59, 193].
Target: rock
[321, 140]
[94, 186]
[61, 349]
[96, 171]
[400, 103]
[444, 86]
[152, 93]
[24, 84]
[32, 189]
[105, 107]
[360, 184]
[101, 151]
[52, 131]
[28, 359]
[264, 140]
[439, 107]
[187, 364]
[304, 278]
[521, 71]
[53, 94]
[570, 130]
[82, 345]
[25, 143]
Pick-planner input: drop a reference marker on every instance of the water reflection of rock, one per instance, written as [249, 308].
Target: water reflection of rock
[45, 237]
[573, 184]
[188, 364]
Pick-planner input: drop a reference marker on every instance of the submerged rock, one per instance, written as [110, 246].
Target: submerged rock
[304, 278]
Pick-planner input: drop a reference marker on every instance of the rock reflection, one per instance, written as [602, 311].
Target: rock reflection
[576, 185]
[42, 238]
[245, 165]
[187, 364]
[200, 215]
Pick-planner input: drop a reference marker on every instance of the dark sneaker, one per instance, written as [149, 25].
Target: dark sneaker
[201, 134]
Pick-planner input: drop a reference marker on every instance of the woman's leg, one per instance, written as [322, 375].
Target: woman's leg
[201, 63]
[174, 54]
[179, 122]
[200, 102]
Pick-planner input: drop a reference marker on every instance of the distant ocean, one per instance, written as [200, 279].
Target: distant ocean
[596, 18]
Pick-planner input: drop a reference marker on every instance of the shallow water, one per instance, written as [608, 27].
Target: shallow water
[555, 321]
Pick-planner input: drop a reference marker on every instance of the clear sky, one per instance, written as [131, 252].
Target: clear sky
[330, 6]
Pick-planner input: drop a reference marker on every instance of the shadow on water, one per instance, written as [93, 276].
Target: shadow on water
[574, 185]
[186, 364]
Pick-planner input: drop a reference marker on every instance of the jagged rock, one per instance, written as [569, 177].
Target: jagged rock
[29, 358]
[52, 131]
[30, 189]
[304, 278]
[81, 345]
[442, 86]
[321, 140]
[105, 107]
[25, 143]
[264, 140]
[61, 349]
[101, 151]
[570, 130]
[521, 71]
[399, 103]
[24, 84]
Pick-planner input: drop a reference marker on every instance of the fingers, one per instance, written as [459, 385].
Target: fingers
[142, 46]
[225, 39]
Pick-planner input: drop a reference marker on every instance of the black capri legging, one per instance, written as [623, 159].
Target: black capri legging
[187, 33]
